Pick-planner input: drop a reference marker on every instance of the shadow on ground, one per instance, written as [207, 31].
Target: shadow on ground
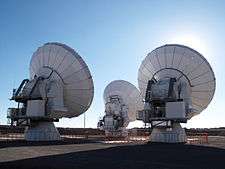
[148, 156]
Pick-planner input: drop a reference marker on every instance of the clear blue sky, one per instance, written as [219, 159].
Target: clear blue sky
[113, 37]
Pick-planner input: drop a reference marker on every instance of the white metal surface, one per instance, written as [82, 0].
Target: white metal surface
[182, 63]
[35, 108]
[128, 92]
[68, 68]
[175, 110]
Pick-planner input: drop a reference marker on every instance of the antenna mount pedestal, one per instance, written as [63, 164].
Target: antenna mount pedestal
[42, 131]
[175, 134]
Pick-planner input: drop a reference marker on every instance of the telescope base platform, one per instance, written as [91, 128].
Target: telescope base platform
[176, 134]
[42, 131]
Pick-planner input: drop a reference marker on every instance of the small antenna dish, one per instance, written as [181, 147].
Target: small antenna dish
[122, 101]
[176, 83]
[128, 92]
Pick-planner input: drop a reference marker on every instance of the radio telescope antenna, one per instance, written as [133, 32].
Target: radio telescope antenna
[60, 85]
[176, 83]
[122, 101]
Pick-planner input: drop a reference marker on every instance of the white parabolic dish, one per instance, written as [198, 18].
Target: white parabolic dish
[128, 92]
[183, 63]
[70, 68]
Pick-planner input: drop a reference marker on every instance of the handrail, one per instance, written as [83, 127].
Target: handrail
[20, 87]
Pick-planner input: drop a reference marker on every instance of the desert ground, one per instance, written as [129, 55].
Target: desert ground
[80, 153]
